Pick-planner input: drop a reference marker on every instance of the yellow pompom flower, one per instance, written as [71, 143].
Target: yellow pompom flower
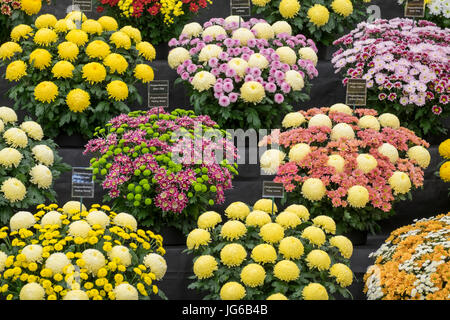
[21, 31]
[232, 230]
[326, 223]
[444, 171]
[265, 205]
[313, 189]
[237, 210]
[146, 50]
[116, 63]
[208, 220]
[16, 138]
[9, 49]
[264, 253]
[342, 7]
[298, 152]
[257, 218]
[366, 162]
[288, 220]
[389, 120]
[108, 23]
[357, 196]
[252, 92]
[272, 232]
[318, 15]
[144, 73]
[342, 273]
[260, 3]
[420, 155]
[33, 290]
[291, 248]
[233, 254]
[314, 291]
[40, 59]
[289, 8]
[31, 7]
[41, 176]
[16, 70]
[117, 90]
[45, 37]
[121, 40]
[77, 36]
[232, 291]
[337, 162]
[7, 115]
[204, 266]
[318, 259]
[133, 33]
[46, 92]
[277, 296]
[78, 100]
[21, 220]
[76, 16]
[300, 210]
[92, 26]
[320, 120]
[253, 275]
[10, 157]
[45, 21]
[444, 149]
[43, 154]
[369, 122]
[342, 130]
[343, 244]
[98, 49]
[93, 72]
[203, 81]
[68, 51]
[63, 69]
[197, 238]
[286, 270]
[315, 235]
[400, 182]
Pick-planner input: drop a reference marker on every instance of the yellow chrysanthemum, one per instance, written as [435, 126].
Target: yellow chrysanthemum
[203, 81]
[144, 73]
[9, 49]
[193, 29]
[253, 275]
[320, 120]
[237, 210]
[389, 151]
[400, 182]
[295, 80]
[271, 160]
[444, 171]
[92, 26]
[444, 149]
[133, 33]
[125, 291]
[63, 69]
[68, 50]
[342, 7]
[204, 266]
[342, 130]
[282, 27]
[21, 31]
[315, 235]
[116, 63]
[156, 264]
[51, 218]
[326, 223]
[343, 244]
[272, 232]
[366, 162]
[94, 72]
[389, 120]
[108, 23]
[43, 154]
[238, 65]
[233, 254]
[40, 59]
[315, 291]
[13, 190]
[46, 92]
[73, 207]
[369, 122]
[257, 218]
[264, 253]
[342, 273]
[288, 220]
[265, 205]
[98, 49]
[318, 15]
[260, 3]
[259, 61]
[33, 130]
[313, 189]
[277, 296]
[286, 270]
[291, 248]
[117, 90]
[208, 52]
[337, 162]
[301, 211]
[33, 290]
[77, 36]
[16, 138]
[357, 196]
[45, 37]
[64, 25]
[76, 295]
[208, 220]
[252, 92]
[10, 157]
[98, 218]
[232, 230]
[197, 238]
[78, 100]
[76, 16]
[31, 7]
[318, 259]
[146, 50]
[232, 291]
[41, 176]
[16, 70]
[420, 155]
[307, 53]
[121, 40]
[289, 8]
[21, 220]
[299, 151]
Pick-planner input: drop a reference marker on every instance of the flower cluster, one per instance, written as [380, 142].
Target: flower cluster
[348, 163]
[405, 64]
[256, 256]
[162, 167]
[437, 11]
[74, 79]
[444, 166]
[65, 254]
[244, 74]
[29, 164]
[322, 21]
[413, 263]
[159, 20]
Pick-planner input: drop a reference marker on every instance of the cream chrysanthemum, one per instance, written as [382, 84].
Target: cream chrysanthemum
[68, 51]
[288, 220]
[277, 296]
[13, 190]
[76, 295]
[79, 228]
[32, 253]
[41, 176]
[293, 120]
[357, 196]
[264, 253]
[271, 160]
[340, 107]
[318, 15]
[214, 31]
[108, 23]
[265, 205]
[125, 220]
[326, 223]
[259, 61]
[193, 29]
[126, 291]
[208, 52]
[51, 218]
[78, 100]
[282, 27]
[289, 8]
[233, 254]
[94, 260]
[98, 218]
[253, 275]
[16, 70]
[286, 270]
[320, 120]
[232, 291]
[263, 30]
[287, 55]
[388, 150]
[157, 265]
[257, 218]
[291, 248]
[21, 220]
[337, 162]
[252, 92]
[177, 56]
[232, 230]
[239, 66]
[272, 232]
[400, 182]
[389, 120]
[314, 291]
[307, 53]
[342, 273]
[295, 80]
[299, 151]
[3, 258]
[203, 81]
[318, 259]
[369, 122]
[197, 238]
[98, 49]
[315, 235]
[300, 210]
[146, 50]
[43, 154]
[10, 157]
[243, 35]
[208, 220]
[56, 262]
[120, 253]
[313, 189]
[237, 210]
[343, 244]
[366, 162]
[33, 130]
[420, 155]
[342, 130]
[32, 290]
[117, 90]
[204, 266]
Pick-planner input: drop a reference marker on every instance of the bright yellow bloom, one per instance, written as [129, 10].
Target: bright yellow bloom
[16, 70]
[289, 8]
[144, 73]
[93, 72]
[45, 37]
[253, 275]
[31, 7]
[232, 291]
[40, 59]
[233, 254]
[97, 49]
[318, 15]
[68, 50]
[63, 69]
[78, 100]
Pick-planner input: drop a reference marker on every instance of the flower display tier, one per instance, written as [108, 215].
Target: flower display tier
[405, 64]
[73, 80]
[162, 167]
[352, 165]
[29, 165]
[64, 254]
[413, 263]
[437, 11]
[243, 74]
[262, 254]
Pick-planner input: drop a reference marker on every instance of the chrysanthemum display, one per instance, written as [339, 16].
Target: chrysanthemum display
[405, 64]
[413, 263]
[269, 260]
[44, 260]
[153, 166]
[243, 74]
[322, 21]
[158, 20]
[352, 172]
[444, 165]
[437, 11]
[73, 79]
[29, 164]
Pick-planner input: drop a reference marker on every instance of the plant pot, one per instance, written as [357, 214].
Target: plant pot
[357, 237]
[73, 141]
[325, 52]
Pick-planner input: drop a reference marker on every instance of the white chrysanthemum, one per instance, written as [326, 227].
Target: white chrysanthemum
[2, 126]
[420, 155]
[125, 220]
[239, 65]
[299, 152]
[16, 137]
[43, 154]
[73, 207]
[263, 30]
[177, 56]
[295, 80]
[125, 291]
[56, 262]
[98, 217]
[122, 253]
[203, 80]
[51, 218]
[32, 291]
[293, 120]
[337, 162]
[208, 52]
[33, 253]
[10, 157]
[287, 55]
[342, 130]
[389, 120]
[214, 31]
[400, 182]
[7, 115]
[389, 151]
[21, 220]
[307, 53]
[366, 162]
[369, 122]
[235, 19]
[282, 27]
[79, 228]
[3, 258]
[157, 265]
[13, 190]
[41, 176]
[243, 35]
[271, 160]
[33, 129]
[94, 260]
[76, 295]
[320, 120]
[259, 61]
[193, 29]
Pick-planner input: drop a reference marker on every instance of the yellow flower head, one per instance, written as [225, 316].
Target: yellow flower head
[45, 37]
[64, 25]
[41, 176]
[313, 189]
[10, 157]
[389, 120]
[237, 210]
[208, 220]
[203, 81]
[286, 270]
[314, 235]
[21, 220]
[31, 7]
[144, 73]
[117, 90]
[400, 182]
[116, 63]
[197, 238]
[121, 40]
[342, 130]
[243, 35]
[21, 31]
[299, 151]
[318, 259]
[146, 50]
[342, 7]
[264, 253]
[63, 69]
[46, 92]
[420, 155]
[33, 290]
[277, 296]
[343, 244]
[40, 59]
[97, 49]
[252, 92]
[326, 223]
[318, 15]
[444, 149]
[232, 291]
[257, 218]
[272, 232]
[157, 265]
[92, 26]
[289, 8]
[133, 33]
[94, 72]
[9, 49]
[287, 55]
[342, 273]
[204, 266]
[291, 248]
[315, 291]
[108, 23]
[16, 70]
[233, 254]
[388, 150]
[253, 275]
[300, 210]
[16, 138]
[232, 230]
[444, 171]
[78, 100]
